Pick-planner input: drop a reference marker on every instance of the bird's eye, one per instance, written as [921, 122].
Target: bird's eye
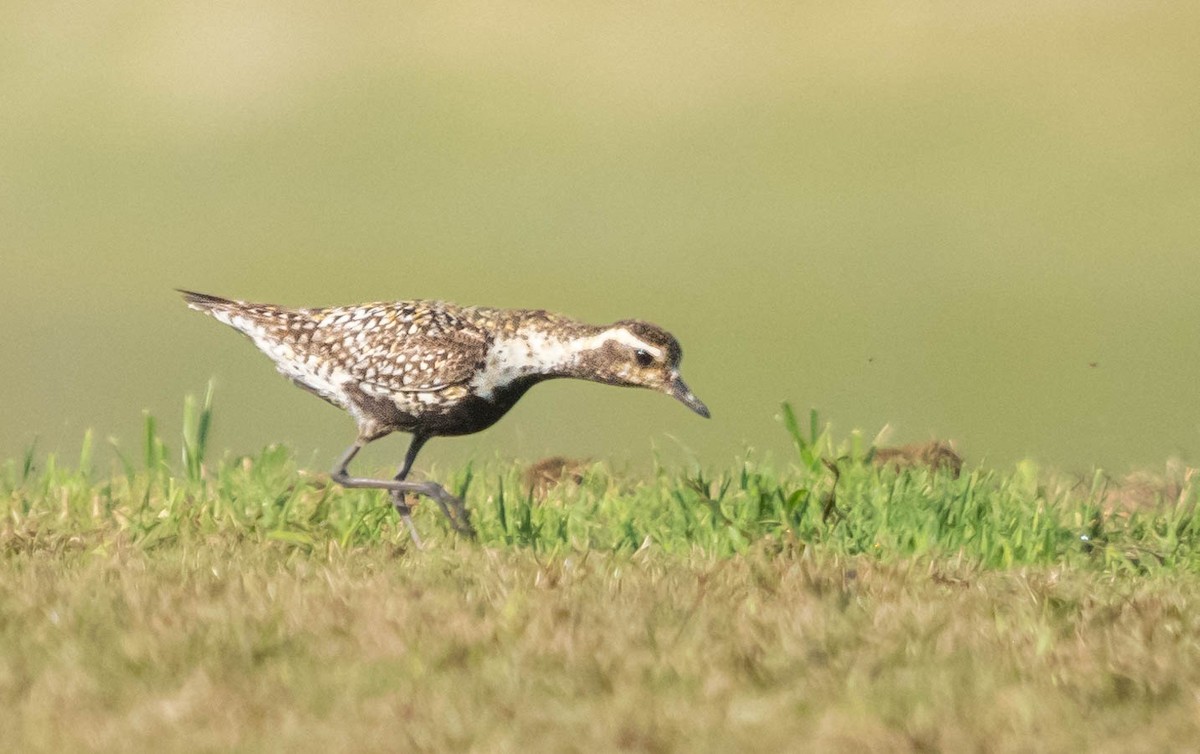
[644, 359]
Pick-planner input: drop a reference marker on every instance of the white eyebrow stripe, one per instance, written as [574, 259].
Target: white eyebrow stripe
[624, 337]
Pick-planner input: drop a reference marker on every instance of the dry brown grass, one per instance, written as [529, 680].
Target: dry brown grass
[236, 646]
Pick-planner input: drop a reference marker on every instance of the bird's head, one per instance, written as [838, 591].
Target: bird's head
[638, 354]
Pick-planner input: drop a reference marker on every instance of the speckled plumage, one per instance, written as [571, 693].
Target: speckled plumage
[432, 368]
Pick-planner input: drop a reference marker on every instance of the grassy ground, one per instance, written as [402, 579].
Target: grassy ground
[244, 604]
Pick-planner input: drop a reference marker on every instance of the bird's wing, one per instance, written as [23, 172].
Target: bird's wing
[409, 347]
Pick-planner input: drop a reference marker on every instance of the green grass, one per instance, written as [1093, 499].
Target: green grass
[818, 603]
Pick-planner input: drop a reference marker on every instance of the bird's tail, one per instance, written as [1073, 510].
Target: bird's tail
[203, 302]
[281, 333]
[256, 320]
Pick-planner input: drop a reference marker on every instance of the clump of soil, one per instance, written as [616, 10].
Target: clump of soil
[932, 455]
[1145, 489]
[548, 473]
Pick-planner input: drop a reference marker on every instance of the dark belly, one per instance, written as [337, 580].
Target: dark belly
[439, 418]
[467, 416]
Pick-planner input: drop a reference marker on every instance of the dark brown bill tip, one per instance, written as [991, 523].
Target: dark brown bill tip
[685, 396]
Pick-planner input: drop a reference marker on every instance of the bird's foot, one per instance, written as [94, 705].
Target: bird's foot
[452, 506]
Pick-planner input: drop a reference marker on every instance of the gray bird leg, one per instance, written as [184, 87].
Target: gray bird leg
[400, 499]
[457, 512]
[451, 506]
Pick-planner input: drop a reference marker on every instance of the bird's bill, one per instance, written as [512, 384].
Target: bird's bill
[684, 395]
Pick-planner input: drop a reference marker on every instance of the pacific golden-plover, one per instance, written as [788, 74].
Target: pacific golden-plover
[434, 369]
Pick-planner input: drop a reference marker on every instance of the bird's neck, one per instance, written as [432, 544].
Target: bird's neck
[532, 352]
[549, 352]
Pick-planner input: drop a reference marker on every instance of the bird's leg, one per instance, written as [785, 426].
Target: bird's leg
[414, 447]
[452, 506]
[459, 519]
[400, 499]
[341, 475]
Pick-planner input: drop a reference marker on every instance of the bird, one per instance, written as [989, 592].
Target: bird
[436, 369]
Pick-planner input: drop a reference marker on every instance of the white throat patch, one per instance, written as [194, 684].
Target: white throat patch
[527, 352]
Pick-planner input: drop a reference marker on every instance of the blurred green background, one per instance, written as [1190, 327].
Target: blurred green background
[978, 221]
